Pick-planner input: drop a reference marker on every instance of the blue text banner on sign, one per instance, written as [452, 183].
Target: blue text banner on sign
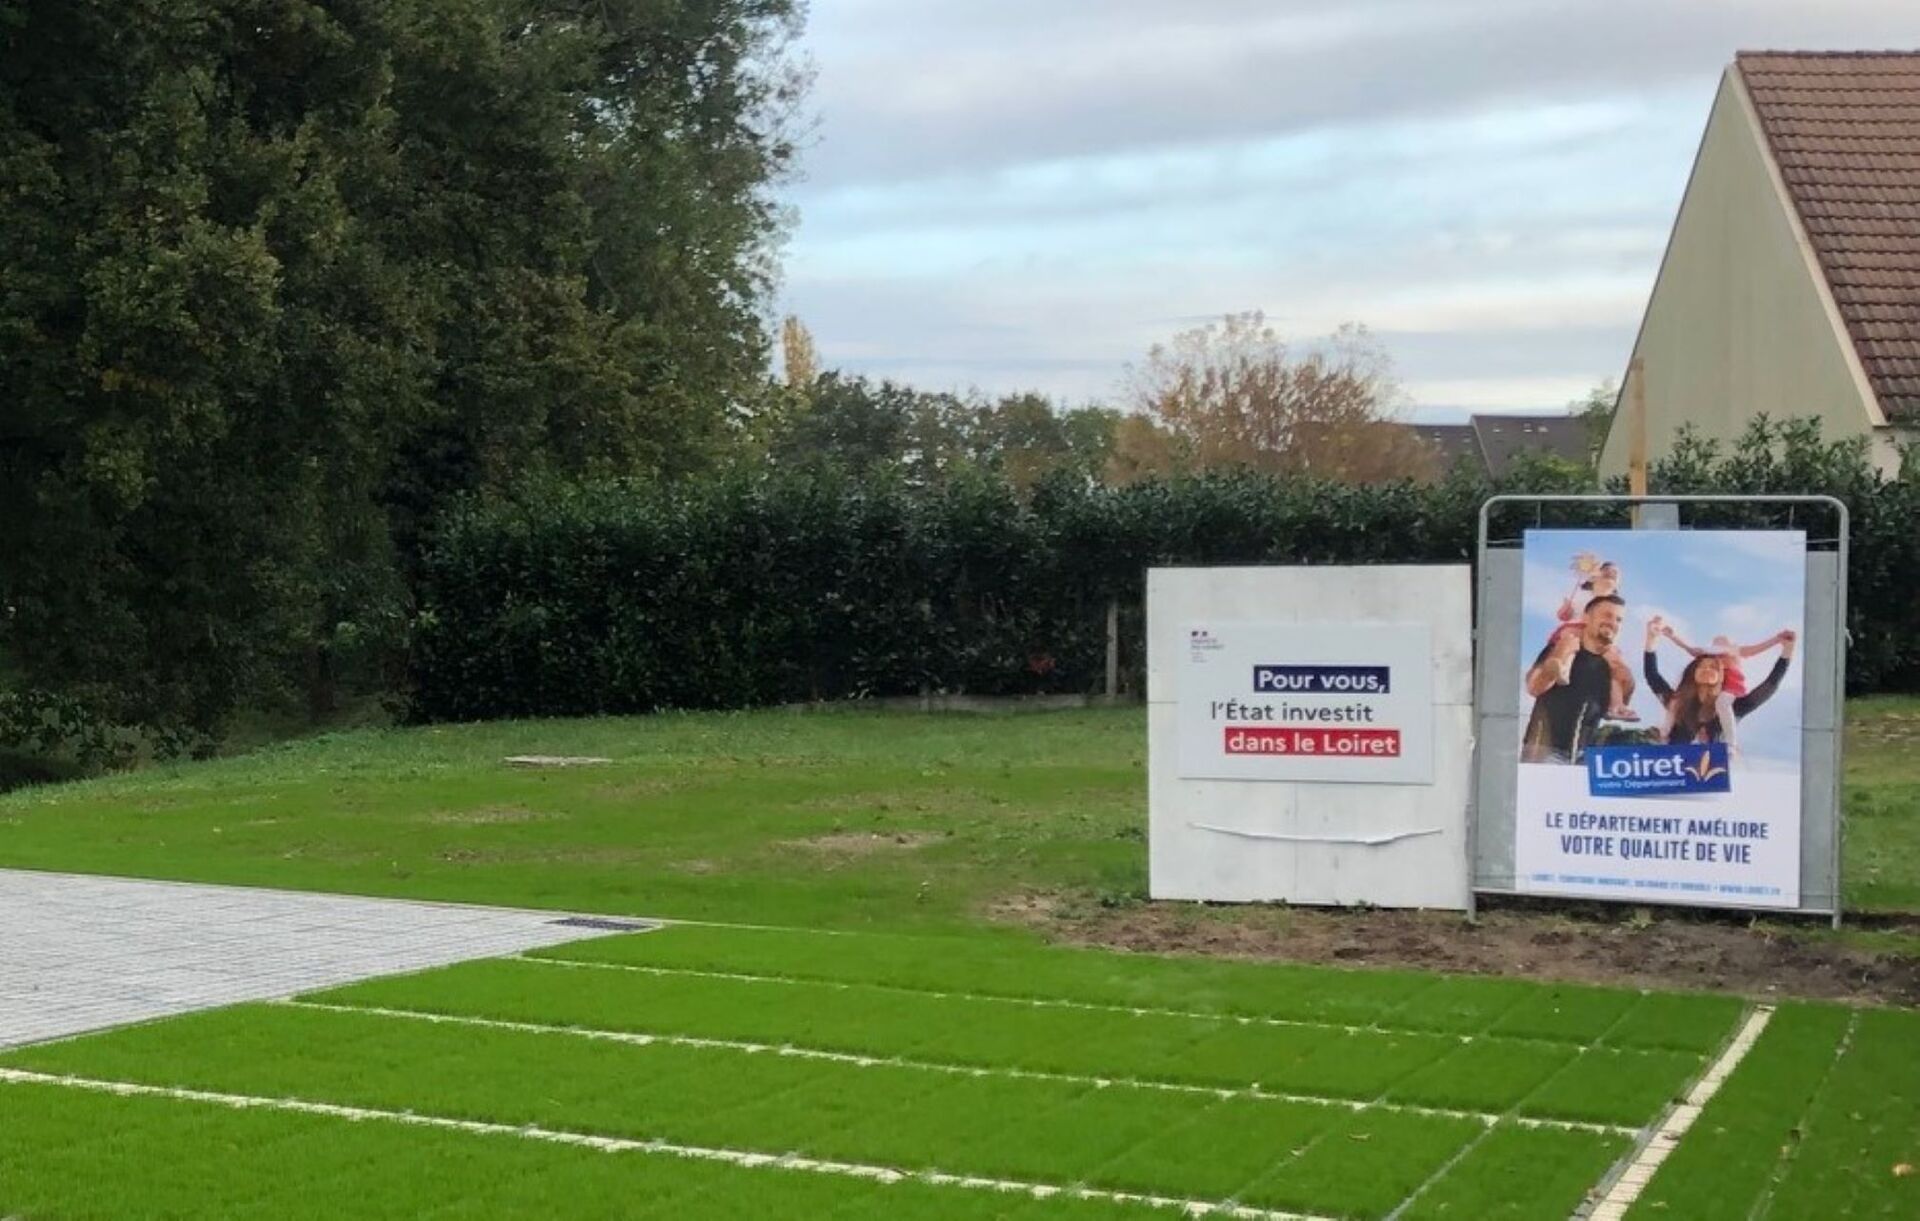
[1324, 680]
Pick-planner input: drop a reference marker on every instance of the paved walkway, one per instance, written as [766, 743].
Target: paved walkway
[82, 953]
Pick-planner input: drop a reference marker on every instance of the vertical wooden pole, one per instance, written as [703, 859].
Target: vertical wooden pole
[1113, 649]
[1637, 436]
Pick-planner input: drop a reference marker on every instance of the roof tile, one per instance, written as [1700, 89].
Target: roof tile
[1844, 128]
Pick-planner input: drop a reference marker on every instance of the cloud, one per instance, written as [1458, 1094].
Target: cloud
[1017, 195]
[1542, 586]
[913, 90]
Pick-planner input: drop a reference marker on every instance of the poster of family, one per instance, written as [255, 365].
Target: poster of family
[1660, 716]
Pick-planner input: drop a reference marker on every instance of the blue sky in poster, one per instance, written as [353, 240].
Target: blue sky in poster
[1744, 584]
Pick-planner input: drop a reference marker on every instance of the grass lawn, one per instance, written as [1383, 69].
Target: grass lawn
[822, 820]
[871, 1025]
[1882, 862]
[842, 820]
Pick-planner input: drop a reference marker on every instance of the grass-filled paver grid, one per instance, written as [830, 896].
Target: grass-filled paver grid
[1487, 1073]
[1520, 1174]
[1328, 1093]
[1859, 1147]
[1022, 971]
[1321, 1093]
[1821, 1120]
[940, 1030]
[991, 1126]
[1396, 1000]
[83, 1156]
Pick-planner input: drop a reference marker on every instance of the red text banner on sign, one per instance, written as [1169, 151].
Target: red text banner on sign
[1305, 740]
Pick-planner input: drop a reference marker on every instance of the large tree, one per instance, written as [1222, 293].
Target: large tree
[853, 424]
[278, 278]
[1234, 396]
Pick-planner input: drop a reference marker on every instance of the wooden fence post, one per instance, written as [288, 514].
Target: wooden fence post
[1637, 434]
[1113, 650]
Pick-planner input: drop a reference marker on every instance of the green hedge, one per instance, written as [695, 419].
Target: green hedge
[753, 591]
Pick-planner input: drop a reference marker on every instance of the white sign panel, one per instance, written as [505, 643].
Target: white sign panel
[1343, 702]
[1661, 716]
[1310, 734]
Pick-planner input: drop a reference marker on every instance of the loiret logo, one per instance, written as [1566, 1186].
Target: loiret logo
[1643, 771]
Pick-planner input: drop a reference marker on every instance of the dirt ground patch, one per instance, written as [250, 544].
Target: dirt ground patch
[486, 816]
[1619, 948]
[863, 843]
[1889, 726]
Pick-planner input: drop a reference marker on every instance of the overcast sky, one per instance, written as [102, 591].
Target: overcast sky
[1027, 194]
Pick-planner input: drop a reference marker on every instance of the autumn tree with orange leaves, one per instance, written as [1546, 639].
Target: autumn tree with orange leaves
[1234, 396]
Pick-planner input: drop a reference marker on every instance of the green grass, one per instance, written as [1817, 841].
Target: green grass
[1676, 1021]
[986, 968]
[946, 1029]
[1520, 1174]
[1567, 1012]
[1882, 861]
[1485, 1075]
[1814, 1124]
[88, 1157]
[1391, 1000]
[1727, 1161]
[1363, 1166]
[698, 815]
[1606, 1085]
[1863, 1125]
[1460, 1004]
[1215, 1170]
[703, 816]
[1052, 1131]
[1262, 1152]
[905, 830]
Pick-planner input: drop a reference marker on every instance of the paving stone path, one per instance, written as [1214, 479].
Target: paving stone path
[83, 953]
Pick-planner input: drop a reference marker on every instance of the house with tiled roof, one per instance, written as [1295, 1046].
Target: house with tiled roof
[1791, 282]
[1490, 443]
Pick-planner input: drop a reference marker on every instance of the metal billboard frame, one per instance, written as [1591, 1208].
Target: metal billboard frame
[1496, 631]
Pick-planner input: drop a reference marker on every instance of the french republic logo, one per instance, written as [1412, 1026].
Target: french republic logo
[1640, 771]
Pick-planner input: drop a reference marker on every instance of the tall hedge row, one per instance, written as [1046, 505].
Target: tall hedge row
[749, 591]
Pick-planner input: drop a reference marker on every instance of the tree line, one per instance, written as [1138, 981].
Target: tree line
[770, 587]
[283, 279]
[288, 285]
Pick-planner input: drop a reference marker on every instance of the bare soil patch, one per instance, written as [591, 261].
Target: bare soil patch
[1623, 949]
[863, 843]
[484, 816]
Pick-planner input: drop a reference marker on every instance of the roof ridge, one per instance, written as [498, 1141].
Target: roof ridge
[1888, 53]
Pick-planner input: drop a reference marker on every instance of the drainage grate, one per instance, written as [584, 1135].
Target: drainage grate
[606, 923]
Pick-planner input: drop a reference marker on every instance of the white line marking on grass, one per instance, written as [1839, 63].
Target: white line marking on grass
[618, 1144]
[1466, 1150]
[642, 1039]
[1663, 1140]
[1037, 1002]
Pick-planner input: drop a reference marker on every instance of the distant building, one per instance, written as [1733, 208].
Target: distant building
[1791, 283]
[1489, 443]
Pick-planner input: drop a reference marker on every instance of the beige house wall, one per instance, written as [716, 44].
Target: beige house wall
[1889, 442]
[1740, 322]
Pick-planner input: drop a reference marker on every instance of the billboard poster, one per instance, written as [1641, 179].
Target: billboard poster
[1307, 701]
[1660, 716]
